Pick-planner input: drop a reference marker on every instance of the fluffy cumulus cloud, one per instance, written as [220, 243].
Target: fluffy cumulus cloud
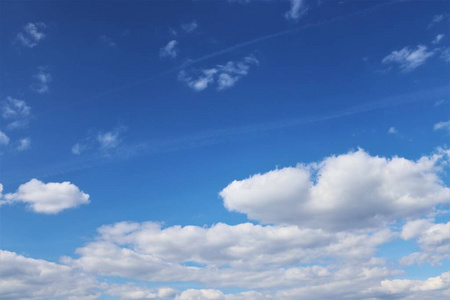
[433, 240]
[28, 278]
[221, 76]
[170, 50]
[16, 113]
[327, 221]
[47, 198]
[408, 58]
[353, 190]
[42, 80]
[132, 291]
[31, 34]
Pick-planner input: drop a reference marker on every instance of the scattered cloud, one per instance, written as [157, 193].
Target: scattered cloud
[16, 112]
[437, 19]
[24, 144]
[170, 50]
[433, 240]
[28, 278]
[108, 41]
[78, 148]
[445, 55]
[438, 39]
[222, 76]
[31, 35]
[444, 125]
[189, 27]
[439, 102]
[47, 198]
[329, 194]
[408, 58]
[100, 142]
[132, 291]
[298, 9]
[393, 130]
[41, 80]
[4, 139]
[108, 140]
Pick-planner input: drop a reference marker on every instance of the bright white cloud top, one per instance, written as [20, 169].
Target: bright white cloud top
[353, 190]
[228, 150]
[47, 198]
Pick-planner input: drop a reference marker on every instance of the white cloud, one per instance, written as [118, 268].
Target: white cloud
[4, 139]
[433, 240]
[189, 27]
[78, 148]
[169, 50]
[244, 255]
[437, 19]
[47, 198]
[24, 144]
[393, 130]
[31, 35]
[223, 76]
[42, 80]
[28, 278]
[438, 39]
[353, 190]
[432, 288]
[132, 291]
[16, 112]
[408, 58]
[444, 125]
[108, 139]
[445, 54]
[298, 9]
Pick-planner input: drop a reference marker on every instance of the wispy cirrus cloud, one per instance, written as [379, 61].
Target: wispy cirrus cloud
[444, 125]
[23, 144]
[222, 76]
[170, 50]
[4, 139]
[42, 80]
[101, 142]
[298, 9]
[408, 58]
[31, 34]
[16, 113]
[189, 27]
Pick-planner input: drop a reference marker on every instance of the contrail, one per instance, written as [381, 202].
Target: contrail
[212, 137]
[244, 44]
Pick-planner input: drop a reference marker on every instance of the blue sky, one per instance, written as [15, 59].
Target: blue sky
[162, 149]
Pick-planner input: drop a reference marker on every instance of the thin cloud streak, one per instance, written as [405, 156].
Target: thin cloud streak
[214, 137]
[193, 62]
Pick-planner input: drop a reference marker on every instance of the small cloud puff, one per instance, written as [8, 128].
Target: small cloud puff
[31, 35]
[47, 198]
[16, 112]
[224, 76]
[298, 9]
[41, 80]
[169, 50]
[408, 58]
